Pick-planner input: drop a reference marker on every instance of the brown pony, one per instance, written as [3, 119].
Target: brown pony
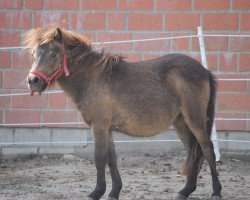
[137, 98]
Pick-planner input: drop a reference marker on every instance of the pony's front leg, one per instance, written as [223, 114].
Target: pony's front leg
[112, 163]
[101, 148]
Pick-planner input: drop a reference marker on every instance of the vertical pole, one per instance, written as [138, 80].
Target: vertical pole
[204, 63]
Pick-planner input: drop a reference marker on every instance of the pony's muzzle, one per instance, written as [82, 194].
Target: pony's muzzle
[32, 79]
[35, 83]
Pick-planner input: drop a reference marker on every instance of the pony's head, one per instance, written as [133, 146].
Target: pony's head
[47, 48]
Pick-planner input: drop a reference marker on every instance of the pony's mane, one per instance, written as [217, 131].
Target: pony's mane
[39, 36]
[78, 46]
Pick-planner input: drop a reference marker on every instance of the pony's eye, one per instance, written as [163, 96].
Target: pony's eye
[53, 53]
[42, 52]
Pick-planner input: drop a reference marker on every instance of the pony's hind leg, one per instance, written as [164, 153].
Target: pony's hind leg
[197, 124]
[112, 163]
[194, 157]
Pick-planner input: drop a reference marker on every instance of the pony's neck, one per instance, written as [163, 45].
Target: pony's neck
[85, 66]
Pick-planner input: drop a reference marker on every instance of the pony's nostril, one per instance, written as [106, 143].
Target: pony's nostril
[35, 79]
[32, 80]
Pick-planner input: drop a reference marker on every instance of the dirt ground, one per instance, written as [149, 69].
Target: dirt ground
[145, 177]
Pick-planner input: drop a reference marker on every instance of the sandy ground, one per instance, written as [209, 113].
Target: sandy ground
[145, 177]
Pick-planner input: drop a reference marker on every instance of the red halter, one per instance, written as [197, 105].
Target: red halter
[56, 73]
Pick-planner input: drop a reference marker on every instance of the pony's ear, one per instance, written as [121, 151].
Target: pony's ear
[58, 35]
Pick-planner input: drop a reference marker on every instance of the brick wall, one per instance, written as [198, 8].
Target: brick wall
[124, 20]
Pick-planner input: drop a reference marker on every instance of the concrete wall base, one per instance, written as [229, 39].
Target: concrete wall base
[23, 141]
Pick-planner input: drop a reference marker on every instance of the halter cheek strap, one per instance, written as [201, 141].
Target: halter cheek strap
[63, 67]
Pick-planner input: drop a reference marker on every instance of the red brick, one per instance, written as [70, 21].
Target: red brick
[227, 85]
[231, 76]
[11, 4]
[27, 101]
[116, 21]
[5, 101]
[195, 44]
[57, 100]
[136, 5]
[240, 44]
[21, 59]
[244, 62]
[132, 57]
[148, 56]
[156, 45]
[12, 79]
[212, 59]
[34, 4]
[248, 123]
[233, 86]
[230, 124]
[9, 39]
[237, 102]
[173, 5]
[15, 19]
[55, 86]
[56, 116]
[180, 43]
[211, 44]
[195, 55]
[52, 116]
[45, 19]
[227, 21]
[83, 125]
[60, 4]
[113, 36]
[241, 4]
[88, 21]
[211, 5]
[21, 116]
[181, 21]
[71, 116]
[90, 35]
[216, 43]
[1, 117]
[141, 21]
[248, 82]
[244, 21]
[1, 79]
[5, 59]
[97, 5]
[70, 103]
[228, 62]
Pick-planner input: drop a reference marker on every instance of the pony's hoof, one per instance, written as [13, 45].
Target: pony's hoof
[180, 197]
[216, 198]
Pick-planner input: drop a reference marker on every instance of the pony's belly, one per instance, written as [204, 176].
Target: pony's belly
[143, 129]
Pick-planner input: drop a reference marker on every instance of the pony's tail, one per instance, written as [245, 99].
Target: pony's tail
[195, 157]
[211, 103]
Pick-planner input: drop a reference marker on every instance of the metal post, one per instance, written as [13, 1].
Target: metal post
[204, 63]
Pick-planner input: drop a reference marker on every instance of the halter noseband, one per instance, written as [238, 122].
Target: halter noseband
[63, 67]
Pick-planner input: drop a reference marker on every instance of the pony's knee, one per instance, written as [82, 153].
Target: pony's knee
[206, 144]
